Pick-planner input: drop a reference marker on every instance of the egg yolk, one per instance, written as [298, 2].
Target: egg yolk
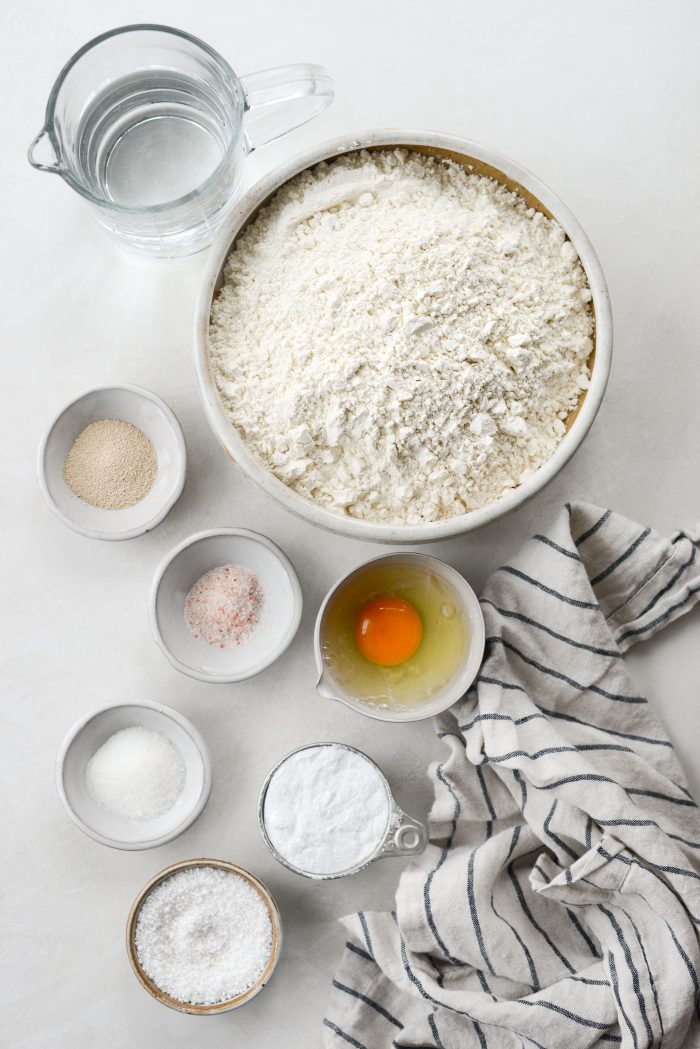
[388, 630]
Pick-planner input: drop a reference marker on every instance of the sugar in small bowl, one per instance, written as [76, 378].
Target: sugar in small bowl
[204, 936]
[134, 775]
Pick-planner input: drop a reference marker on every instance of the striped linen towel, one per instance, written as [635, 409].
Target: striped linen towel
[558, 904]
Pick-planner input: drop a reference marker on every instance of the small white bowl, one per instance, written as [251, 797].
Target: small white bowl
[330, 687]
[279, 618]
[86, 737]
[153, 417]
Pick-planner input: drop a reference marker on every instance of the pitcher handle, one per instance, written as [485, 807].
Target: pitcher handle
[42, 153]
[279, 100]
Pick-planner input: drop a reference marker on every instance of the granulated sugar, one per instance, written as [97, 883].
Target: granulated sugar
[399, 339]
[204, 935]
[137, 774]
[111, 465]
[326, 809]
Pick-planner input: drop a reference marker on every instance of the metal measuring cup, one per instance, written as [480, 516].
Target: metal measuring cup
[404, 836]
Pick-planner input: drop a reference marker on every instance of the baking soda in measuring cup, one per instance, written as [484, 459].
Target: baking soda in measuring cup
[152, 127]
[326, 811]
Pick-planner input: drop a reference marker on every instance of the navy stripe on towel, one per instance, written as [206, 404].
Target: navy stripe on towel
[369, 1001]
[576, 602]
[474, 916]
[594, 528]
[495, 640]
[342, 1034]
[358, 950]
[632, 969]
[621, 559]
[659, 619]
[612, 653]
[555, 546]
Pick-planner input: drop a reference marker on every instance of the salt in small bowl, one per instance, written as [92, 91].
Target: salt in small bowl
[216, 1007]
[86, 737]
[152, 416]
[279, 616]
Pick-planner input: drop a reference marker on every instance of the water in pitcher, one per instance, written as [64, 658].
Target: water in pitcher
[147, 123]
[151, 137]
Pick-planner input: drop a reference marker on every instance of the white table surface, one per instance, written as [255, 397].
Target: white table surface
[603, 103]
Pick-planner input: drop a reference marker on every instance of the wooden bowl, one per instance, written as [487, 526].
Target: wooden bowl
[217, 1007]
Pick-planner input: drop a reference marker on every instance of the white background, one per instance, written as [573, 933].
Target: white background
[602, 101]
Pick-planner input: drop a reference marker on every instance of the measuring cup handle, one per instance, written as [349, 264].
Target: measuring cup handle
[42, 154]
[278, 100]
[405, 837]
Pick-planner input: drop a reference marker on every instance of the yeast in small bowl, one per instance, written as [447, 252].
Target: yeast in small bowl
[437, 673]
[93, 730]
[148, 413]
[279, 615]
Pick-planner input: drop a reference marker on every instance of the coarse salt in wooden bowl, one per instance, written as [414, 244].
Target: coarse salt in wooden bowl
[217, 1007]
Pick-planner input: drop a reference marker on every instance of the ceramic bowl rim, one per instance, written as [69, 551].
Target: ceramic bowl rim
[217, 1007]
[156, 518]
[274, 653]
[151, 843]
[357, 528]
[472, 663]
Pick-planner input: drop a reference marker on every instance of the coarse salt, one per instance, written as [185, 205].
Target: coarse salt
[137, 774]
[203, 935]
[223, 607]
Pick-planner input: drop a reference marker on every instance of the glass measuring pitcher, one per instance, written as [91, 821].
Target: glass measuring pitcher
[152, 127]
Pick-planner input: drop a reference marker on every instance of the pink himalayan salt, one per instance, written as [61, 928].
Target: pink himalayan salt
[223, 607]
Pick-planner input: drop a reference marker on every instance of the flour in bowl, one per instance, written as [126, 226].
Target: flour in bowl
[400, 340]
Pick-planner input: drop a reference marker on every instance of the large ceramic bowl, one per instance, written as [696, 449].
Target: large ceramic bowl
[477, 158]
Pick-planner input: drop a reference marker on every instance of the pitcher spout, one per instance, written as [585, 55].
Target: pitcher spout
[323, 688]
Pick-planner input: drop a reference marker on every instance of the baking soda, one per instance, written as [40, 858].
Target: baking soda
[326, 809]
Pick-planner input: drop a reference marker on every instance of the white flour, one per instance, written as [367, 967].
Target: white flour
[326, 809]
[400, 340]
